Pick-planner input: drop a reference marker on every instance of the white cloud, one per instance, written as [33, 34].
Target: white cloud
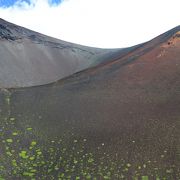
[100, 23]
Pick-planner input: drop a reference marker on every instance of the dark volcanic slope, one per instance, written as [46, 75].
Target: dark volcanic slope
[29, 58]
[123, 114]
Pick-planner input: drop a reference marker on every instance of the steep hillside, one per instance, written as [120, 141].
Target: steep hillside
[118, 120]
[29, 58]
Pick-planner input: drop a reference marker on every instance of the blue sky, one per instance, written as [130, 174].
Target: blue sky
[9, 3]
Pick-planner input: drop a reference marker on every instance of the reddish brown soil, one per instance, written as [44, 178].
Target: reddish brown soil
[130, 105]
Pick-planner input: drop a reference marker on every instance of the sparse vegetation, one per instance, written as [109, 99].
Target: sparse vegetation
[24, 157]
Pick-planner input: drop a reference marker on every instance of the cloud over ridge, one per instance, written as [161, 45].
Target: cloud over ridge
[100, 23]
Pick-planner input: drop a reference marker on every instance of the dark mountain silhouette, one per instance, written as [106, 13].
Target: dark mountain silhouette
[116, 120]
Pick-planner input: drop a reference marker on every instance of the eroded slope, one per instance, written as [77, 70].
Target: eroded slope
[28, 58]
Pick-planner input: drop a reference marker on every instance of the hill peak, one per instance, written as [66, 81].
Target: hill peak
[5, 31]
